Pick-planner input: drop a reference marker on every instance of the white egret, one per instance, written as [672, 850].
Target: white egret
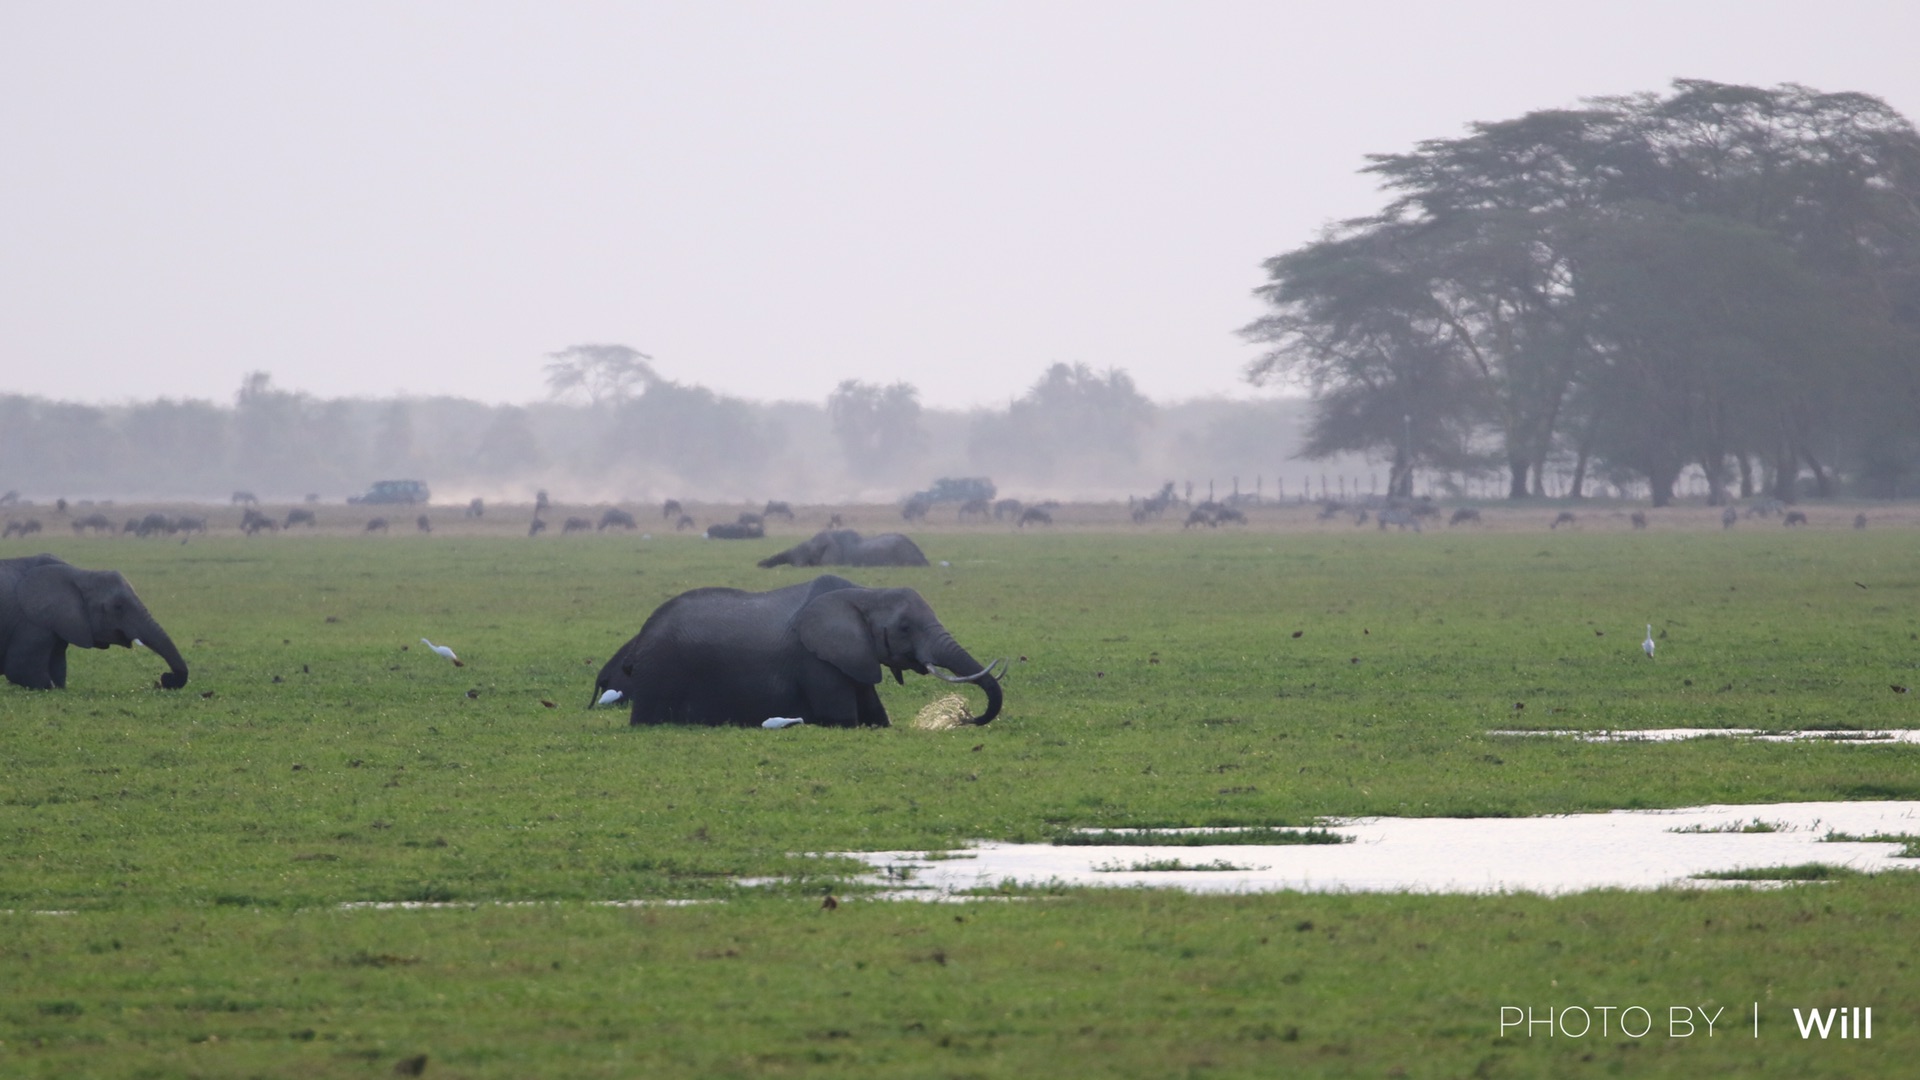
[609, 697]
[443, 651]
[1647, 645]
[778, 722]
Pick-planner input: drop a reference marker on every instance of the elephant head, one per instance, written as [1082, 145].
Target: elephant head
[859, 631]
[95, 609]
[820, 549]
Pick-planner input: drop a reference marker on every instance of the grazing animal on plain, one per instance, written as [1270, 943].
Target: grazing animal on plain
[1728, 517]
[1007, 509]
[1035, 515]
[477, 507]
[253, 521]
[1565, 517]
[21, 528]
[245, 498]
[736, 530]
[300, 516]
[1330, 509]
[1794, 517]
[154, 525]
[1859, 521]
[574, 525]
[1639, 519]
[47, 605]
[423, 523]
[915, 509]
[979, 508]
[537, 527]
[1464, 515]
[1766, 508]
[815, 651]
[686, 522]
[776, 508]
[378, 524]
[1394, 515]
[1360, 518]
[189, 523]
[618, 519]
[93, 523]
[845, 547]
[670, 508]
[750, 518]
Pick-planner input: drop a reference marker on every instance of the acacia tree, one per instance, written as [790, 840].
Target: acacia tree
[1073, 423]
[602, 373]
[1490, 232]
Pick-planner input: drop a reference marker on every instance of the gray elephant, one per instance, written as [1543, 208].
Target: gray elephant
[845, 547]
[47, 604]
[813, 651]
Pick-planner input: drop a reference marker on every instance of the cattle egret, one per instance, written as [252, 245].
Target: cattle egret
[609, 697]
[443, 651]
[778, 722]
[1647, 645]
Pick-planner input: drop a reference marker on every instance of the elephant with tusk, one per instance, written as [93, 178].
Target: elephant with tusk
[47, 604]
[815, 651]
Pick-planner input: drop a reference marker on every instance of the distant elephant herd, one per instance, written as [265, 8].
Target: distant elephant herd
[814, 652]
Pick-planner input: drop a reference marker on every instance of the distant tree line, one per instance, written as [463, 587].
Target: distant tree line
[614, 428]
[1721, 277]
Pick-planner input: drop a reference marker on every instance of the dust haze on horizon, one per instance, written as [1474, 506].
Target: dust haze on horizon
[371, 200]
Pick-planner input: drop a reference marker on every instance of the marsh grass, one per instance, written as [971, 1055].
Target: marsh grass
[205, 839]
[1812, 871]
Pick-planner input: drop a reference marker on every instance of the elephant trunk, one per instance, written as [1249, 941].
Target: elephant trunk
[150, 635]
[948, 654]
[784, 558]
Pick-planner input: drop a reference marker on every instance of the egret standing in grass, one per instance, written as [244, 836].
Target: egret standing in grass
[1647, 645]
[443, 651]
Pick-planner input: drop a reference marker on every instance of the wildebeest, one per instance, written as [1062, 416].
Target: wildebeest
[477, 508]
[537, 527]
[300, 516]
[376, 525]
[1565, 517]
[1034, 515]
[574, 525]
[670, 508]
[1639, 519]
[1007, 508]
[1728, 517]
[245, 498]
[190, 523]
[21, 528]
[979, 508]
[1859, 521]
[616, 518]
[915, 509]
[686, 522]
[845, 547]
[777, 508]
[1794, 517]
[94, 523]
[1394, 515]
[736, 530]
[423, 523]
[1464, 515]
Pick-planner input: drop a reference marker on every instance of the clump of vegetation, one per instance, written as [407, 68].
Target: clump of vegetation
[1207, 838]
[1812, 871]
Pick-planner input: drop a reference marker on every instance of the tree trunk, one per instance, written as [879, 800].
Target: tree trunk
[1746, 476]
[1517, 485]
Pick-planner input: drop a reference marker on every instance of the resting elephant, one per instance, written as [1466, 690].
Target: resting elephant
[844, 547]
[47, 604]
[813, 651]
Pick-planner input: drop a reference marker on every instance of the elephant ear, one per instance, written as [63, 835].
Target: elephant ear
[50, 598]
[833, 628]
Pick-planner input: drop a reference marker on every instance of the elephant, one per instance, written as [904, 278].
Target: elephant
[47, 604]
[845, 547]
[736, 530]
[814, 651]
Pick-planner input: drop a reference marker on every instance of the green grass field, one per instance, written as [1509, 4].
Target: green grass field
[204, 841]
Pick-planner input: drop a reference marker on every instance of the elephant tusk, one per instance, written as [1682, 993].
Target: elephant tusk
[983, 673]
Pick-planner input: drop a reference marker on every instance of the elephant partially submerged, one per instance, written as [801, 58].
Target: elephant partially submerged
[845, 547]
[813, 651]
[47, 604]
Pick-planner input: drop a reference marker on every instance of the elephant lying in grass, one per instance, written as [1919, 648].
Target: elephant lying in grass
[814, 651]
[47, 604]
[845, 547]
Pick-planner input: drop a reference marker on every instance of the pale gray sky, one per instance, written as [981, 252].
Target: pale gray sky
[381, 197]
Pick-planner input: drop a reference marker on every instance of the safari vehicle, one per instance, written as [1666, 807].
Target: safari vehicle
[405, 492]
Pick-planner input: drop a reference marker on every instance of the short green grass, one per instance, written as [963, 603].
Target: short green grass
[205, 844]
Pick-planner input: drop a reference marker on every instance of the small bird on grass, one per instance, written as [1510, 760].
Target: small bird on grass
[443, 651]
[1647, 645]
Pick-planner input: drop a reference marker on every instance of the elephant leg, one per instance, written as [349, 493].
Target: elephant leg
[57, 665]
[872, 713]
[27, 660]
[838, 704]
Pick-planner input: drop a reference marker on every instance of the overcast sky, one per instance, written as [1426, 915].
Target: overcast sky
[427, 198]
